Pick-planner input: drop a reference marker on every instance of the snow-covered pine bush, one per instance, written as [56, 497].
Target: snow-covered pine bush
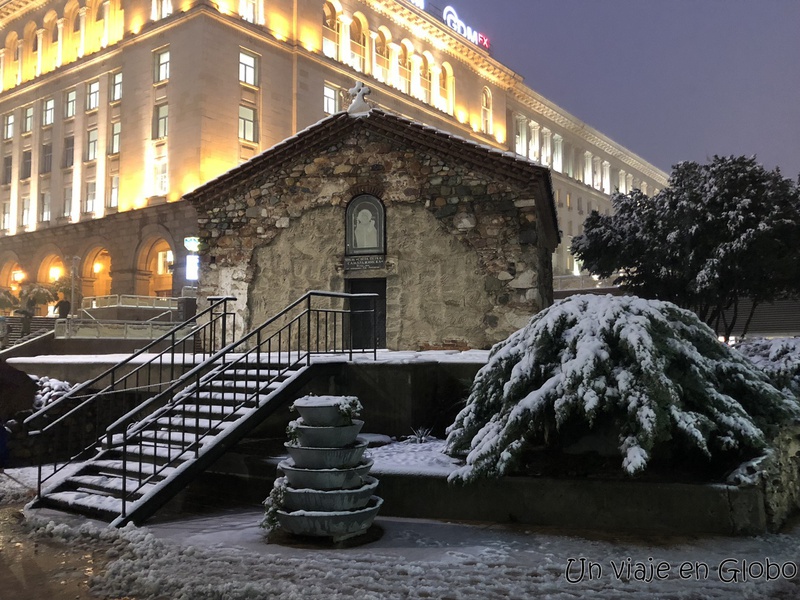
[653, 371]
[49, 390]
[778, 358]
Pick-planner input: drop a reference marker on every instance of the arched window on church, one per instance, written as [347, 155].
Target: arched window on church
[486, 111]
[330, 31]
[365, 226]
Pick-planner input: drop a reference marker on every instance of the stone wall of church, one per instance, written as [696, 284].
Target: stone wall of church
[464, 262]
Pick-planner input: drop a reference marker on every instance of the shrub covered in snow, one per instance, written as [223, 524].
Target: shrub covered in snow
[651, 371]
[778, 358]
[49, 391]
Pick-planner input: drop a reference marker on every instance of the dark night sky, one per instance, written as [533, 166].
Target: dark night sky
[670, 80]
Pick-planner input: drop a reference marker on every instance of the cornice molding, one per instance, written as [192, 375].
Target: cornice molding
[537, 103]
[14, 9]
[425, 27]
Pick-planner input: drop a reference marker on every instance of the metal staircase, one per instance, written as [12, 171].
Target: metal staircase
[153, 451]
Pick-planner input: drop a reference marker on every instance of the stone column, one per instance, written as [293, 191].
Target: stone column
[82, 43]
[372, 50]
[2, 70]
[394, 66]
[587, 167]
[606, 177]
[547, 147]
[623, 188]
[535, 144]
[345, 51]
[558, 153]
[40, 51]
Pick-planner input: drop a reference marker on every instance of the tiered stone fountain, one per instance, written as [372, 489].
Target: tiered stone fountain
[326, 490]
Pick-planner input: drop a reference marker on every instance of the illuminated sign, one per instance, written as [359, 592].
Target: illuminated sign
[453, 22]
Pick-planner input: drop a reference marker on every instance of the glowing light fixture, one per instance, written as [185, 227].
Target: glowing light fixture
[97, 267]
[17, 276]
[55, 273]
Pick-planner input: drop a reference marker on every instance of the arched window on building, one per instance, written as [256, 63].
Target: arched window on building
[381, 68]
[404, 66]
[425, 77]
[358, 43]
[30, 51]
[486, 111]
[330, 30]
[50, 42]
[447, 89]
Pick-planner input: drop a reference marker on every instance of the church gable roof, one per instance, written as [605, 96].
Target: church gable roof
[482, 158]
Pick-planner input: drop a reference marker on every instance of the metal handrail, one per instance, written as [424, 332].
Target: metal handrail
[121, 432]
[89, 406]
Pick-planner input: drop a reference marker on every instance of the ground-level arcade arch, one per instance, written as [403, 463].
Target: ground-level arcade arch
[95, 272]
[154, 265]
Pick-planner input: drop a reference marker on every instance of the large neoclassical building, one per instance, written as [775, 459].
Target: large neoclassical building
[112, 110]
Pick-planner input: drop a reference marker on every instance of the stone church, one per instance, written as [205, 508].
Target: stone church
[456, 238]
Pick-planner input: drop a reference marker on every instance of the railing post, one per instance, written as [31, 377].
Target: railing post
[349, 328]
[374, 329]
[308, 330]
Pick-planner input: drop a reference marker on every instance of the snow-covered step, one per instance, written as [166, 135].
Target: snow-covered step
[114, 467]
[173, 436]
[86, 502]
[209, 409]
[107, 483]
[192, 423]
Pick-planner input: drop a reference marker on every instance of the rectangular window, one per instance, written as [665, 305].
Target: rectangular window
[69, 104]
[26, 211]
[47, 158]
[161, 124]
[113, 192]
[161, 66]
[7, 162]
[247, 8]
[247, 68]
[116, 87]
[25, 167]
[48, 112]
[67, 201]
[161, 176]
[91, 194]
[6, 216]
[93, 95]
[27, 119]
[44, 206]
[8, 127]
[91, 144]
[247, 124]
[162, 9]
[69, 151]
[116, 129]
[330, 100]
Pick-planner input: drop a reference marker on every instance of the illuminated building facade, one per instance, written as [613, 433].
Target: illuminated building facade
[112, 110]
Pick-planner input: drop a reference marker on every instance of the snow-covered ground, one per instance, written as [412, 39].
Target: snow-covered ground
[226, 556]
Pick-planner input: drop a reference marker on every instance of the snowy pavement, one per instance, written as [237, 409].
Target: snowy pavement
[226, 555]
